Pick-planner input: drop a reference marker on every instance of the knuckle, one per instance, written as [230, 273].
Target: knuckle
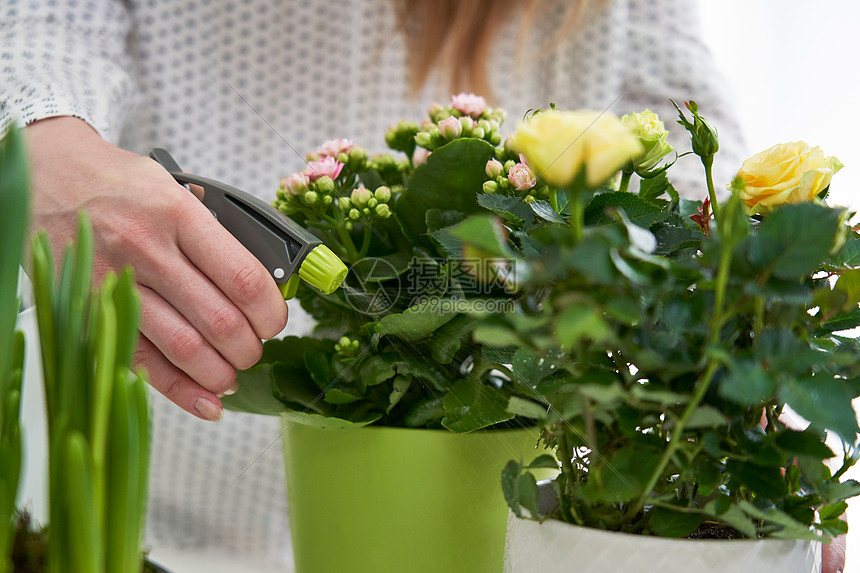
[249, 283]
[227, 322]
[185, 345]
[250, 358]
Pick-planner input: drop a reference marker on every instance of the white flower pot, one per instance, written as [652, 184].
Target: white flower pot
[558, 547]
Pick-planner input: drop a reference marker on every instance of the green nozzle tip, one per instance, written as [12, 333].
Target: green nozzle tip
[323, 270]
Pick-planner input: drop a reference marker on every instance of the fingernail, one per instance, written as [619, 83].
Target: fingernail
[208, 409]
[232, 389]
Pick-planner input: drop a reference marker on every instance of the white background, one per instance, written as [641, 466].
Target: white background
[793, 67]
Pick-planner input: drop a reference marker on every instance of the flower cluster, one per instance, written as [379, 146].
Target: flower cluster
[467, 115]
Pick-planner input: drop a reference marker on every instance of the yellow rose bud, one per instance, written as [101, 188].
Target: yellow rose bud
[652, 135]
[560, 144]
[785, 173]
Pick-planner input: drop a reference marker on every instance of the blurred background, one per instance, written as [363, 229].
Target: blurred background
[792, 66]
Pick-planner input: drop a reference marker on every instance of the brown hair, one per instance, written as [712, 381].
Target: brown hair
[455, 37]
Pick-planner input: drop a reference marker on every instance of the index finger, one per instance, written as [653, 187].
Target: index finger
[234, 270]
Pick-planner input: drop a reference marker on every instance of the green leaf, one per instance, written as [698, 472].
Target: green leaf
[529, 493]
[790, 527]
[329, 422]
[651, 188]
[580, 322]
[484, 233]
[747, 384]
[543, 461]
[415, 323]
[471, 405]
[804, 443]
[795, 239]
[378, 269]
[255, 393]
[732, 515]
[337, 396]
[512, 209]
[767, 482]
[447, 339]
[640, 212]
[14, 185]
[678, 524]
[706, 417]
[526, 408]
[450, 179]
[826, 402]
[545, 211]
[833, 510]
[510, 487]
[378, 368]
[401, 386]
[318, 365]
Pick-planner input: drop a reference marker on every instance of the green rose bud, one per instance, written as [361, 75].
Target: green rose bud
[652, 135]
[372, 202]
[326, 200]
[704, 137]
[344, 203]
[490, 187]
[310, 197]
[354, 214]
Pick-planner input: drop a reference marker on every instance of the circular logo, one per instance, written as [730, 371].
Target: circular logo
[378, 286]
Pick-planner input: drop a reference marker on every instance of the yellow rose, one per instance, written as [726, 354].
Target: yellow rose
[560, 144]
[652, 135]
[785, 173]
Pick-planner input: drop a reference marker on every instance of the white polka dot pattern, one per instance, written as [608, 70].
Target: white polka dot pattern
[238, 89]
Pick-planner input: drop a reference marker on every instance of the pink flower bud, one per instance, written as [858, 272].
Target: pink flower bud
[326, 166]
[469, 104]
[334, 147]
[450, 128]
[521, 177]
[494, 168]
[420, 156]
[296, 184]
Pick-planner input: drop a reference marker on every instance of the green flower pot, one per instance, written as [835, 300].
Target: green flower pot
[380, 500]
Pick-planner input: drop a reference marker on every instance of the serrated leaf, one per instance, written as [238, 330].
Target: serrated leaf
[678, 524]
[732, 515]
[747, 384]
[805, 443]
[378, 368]
[823, 401]
[795, 239]
[511, 209]
[545, 211]
[640, 212]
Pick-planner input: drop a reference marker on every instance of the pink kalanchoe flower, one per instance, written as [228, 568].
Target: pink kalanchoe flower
[469, 104]
[296, 184]
[450, 128]
[521, 177]
[334, 147]
[493, 168]
[326, 166]
[420, 156]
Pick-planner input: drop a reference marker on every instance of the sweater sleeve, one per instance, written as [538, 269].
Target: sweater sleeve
[66, 57]
[667, 58]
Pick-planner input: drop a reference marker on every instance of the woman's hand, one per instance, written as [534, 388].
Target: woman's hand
[206, 301]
